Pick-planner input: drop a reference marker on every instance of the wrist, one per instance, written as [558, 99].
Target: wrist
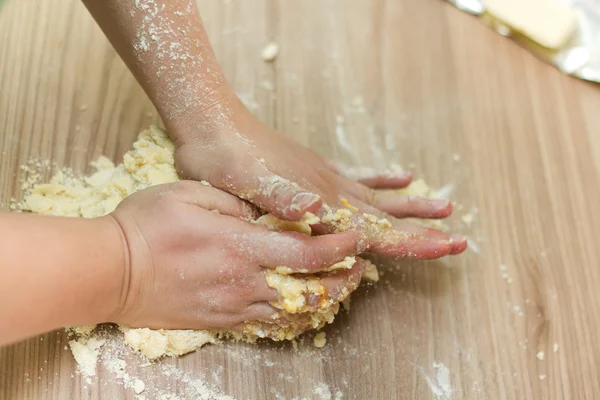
[112, 286]
[219, 113]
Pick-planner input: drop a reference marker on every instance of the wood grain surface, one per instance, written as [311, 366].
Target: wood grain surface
[516, 141]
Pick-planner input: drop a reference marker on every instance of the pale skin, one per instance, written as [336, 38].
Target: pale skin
[164, 258]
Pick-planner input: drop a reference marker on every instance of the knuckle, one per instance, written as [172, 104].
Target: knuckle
[181, 187]
[310, 258]
[368, 195]
[411, 200]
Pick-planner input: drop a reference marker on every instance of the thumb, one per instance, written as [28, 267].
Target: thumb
[277, 195]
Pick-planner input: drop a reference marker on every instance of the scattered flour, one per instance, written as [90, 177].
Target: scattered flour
[86, 353]
[440, 384]
[323, 392]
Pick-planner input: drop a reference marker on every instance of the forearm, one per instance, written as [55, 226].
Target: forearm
[57, 272]
[164, 44]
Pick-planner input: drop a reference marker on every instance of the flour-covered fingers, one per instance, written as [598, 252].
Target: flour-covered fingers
[398, 180]
[275, 194]
[402, 206]
[300, 253]
[391, 178]
[409, 240]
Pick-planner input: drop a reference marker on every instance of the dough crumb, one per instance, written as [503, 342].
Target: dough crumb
[555, 348]
[540, 356]
[86, 353]
[349, 206]
[138, 386]
[269, 52]
[346, 303]
[320, 340]
[310, 218]
[371, 273]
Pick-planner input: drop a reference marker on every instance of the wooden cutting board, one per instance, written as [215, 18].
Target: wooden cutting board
[414, 82]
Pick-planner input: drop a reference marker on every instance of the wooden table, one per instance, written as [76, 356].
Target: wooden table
[517, 140]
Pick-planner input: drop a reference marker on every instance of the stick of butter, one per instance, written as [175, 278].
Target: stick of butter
[547, 22]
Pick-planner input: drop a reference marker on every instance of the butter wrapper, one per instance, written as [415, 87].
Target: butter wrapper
[579, 56]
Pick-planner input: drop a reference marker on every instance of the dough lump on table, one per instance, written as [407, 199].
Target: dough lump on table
[149, 163]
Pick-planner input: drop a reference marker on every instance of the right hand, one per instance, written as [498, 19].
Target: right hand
[195, 262]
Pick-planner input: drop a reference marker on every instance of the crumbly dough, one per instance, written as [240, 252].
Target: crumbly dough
[371, 273]
[166, 342]
[303, 299]
[85, 351]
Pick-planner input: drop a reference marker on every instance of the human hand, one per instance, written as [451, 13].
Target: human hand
[218, 140]
[279, 175]
[195, 263]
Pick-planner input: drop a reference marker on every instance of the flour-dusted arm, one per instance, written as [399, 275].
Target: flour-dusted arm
[218, 140]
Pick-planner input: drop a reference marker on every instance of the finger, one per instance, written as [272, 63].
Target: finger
[389, 178]
[281, 318]
[351, 188]
[392, 237]
[275, 194]
[210, 198]
[334, 166]
[260, 311]
[300, 253]
[402, 206]
[409, 240]
[341, 283]
[262, 291]
[316, 293]
[459, 244]
[397, 204]
[398, 180]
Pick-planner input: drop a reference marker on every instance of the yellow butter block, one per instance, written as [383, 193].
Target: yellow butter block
[547, 22]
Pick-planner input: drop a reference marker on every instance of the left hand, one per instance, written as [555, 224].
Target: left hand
[277, 174]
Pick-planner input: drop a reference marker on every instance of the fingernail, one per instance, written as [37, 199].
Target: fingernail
[456, 239]
[439, 203]
[304, 200]
[458, 244]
